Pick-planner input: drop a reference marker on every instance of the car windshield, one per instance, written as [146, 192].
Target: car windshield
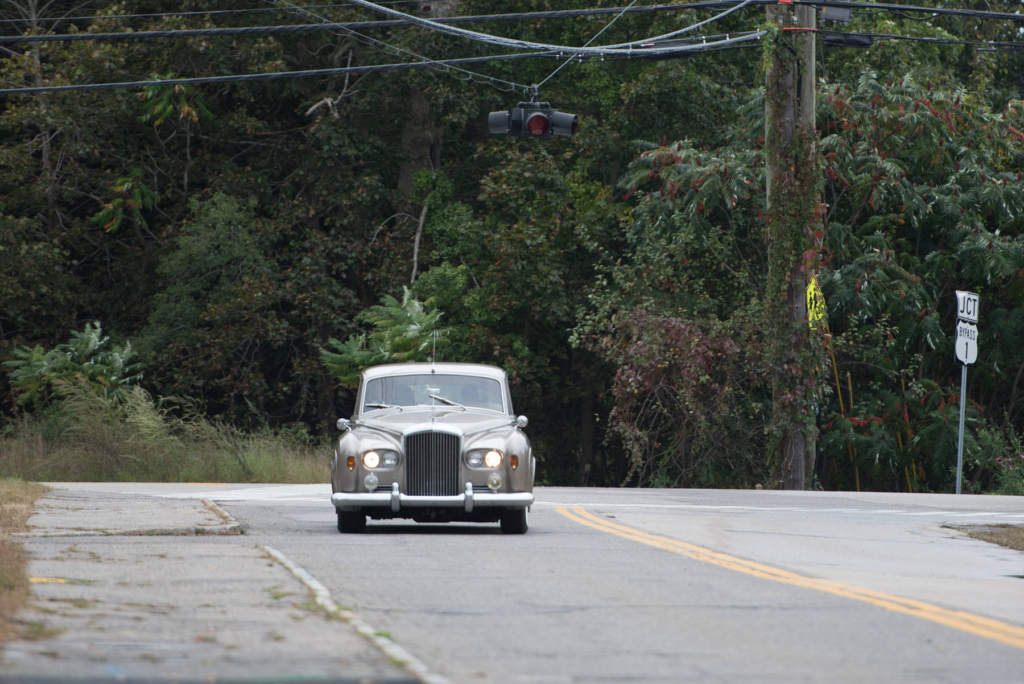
[448, 390]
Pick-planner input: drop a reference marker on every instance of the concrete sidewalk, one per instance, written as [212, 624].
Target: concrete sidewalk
[63, 513]
[125, 590]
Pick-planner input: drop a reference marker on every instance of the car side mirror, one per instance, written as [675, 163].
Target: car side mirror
[522, 422]
[344, 424]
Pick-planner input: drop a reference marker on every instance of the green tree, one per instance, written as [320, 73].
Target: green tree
[403, 331]
[925, 197]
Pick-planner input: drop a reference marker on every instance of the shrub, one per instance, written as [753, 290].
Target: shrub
[88, 359]
[403, 331]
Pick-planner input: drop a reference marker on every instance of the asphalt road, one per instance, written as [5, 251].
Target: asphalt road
[672, 585]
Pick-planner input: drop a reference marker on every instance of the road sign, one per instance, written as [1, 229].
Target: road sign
[967, 306]
[815, 303]
[967, 353]
[966, 342]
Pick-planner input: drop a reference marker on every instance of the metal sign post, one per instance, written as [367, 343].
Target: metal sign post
[967, 353]
[960, 439]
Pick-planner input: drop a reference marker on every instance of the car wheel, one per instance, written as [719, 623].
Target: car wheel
[516, 521]
[351, 523]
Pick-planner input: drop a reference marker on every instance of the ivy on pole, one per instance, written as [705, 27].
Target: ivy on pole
[795, 352]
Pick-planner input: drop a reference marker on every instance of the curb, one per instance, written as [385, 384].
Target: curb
[229, 520]
[153, 532]
[323, 598]
[230, 527]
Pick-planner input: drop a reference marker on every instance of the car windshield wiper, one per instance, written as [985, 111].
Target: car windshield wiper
[383, 406]
[438, 397]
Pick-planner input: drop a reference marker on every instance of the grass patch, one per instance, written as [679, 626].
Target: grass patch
[89, 437]
[16, 499]
[1010, 536]
[276, 592]
[310, 606]
[75, 602]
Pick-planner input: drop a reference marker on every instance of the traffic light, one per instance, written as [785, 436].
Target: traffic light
[532, 120]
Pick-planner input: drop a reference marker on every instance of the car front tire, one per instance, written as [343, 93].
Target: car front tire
[516, 521]
[351, 523]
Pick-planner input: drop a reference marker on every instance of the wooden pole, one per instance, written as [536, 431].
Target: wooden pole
[793, 189]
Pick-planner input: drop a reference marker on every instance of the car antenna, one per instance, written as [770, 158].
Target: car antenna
[433, 361]
[433, 355]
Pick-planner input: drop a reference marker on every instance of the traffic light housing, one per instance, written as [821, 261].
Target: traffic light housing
[532, 120]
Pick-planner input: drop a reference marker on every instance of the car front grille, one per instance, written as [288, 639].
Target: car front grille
[432, 464]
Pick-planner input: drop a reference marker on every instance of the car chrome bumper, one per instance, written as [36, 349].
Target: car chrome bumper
[396, 501]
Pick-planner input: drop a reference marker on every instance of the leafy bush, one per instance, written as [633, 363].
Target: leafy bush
[403, 331]
[88, 359]
[684, 409]
[1009, 467]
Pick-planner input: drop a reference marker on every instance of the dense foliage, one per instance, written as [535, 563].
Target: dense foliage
[236, 232]
[402, 332]
[39, 376]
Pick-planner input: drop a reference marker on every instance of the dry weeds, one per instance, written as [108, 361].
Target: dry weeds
[95, 438]
[16, 498]
[1010, 536]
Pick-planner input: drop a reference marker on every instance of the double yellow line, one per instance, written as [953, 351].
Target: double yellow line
[965, 622]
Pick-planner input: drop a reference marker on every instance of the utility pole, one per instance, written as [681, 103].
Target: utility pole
[794, 352]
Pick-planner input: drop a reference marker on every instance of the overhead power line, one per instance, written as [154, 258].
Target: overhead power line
[524, 89]
[161, 15]
[900, 10]
[174, 33]
[592, 39]
[469, 75]
[1009, 45]
[863, 40]
[678, 48]
[441, 63]
[357, 25]
[528, 44]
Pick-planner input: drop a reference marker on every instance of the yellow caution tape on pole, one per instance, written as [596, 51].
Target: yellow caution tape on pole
[815, 303]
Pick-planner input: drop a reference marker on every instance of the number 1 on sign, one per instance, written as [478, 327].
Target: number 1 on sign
[966, 342]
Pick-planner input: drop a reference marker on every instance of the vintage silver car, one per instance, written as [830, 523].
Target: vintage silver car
[435, 443]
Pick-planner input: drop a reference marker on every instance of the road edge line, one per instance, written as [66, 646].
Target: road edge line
[322, 596]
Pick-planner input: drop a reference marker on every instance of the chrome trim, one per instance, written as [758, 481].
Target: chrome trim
[469, 497]
[386, 499]
[432, 459]
[395, 497]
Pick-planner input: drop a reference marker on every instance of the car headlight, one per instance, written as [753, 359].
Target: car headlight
[371, 459]
[378, 459]
[483, 458]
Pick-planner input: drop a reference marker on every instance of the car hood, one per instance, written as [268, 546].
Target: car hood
[469, 422]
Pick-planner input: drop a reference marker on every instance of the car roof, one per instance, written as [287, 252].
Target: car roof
[477, 369]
